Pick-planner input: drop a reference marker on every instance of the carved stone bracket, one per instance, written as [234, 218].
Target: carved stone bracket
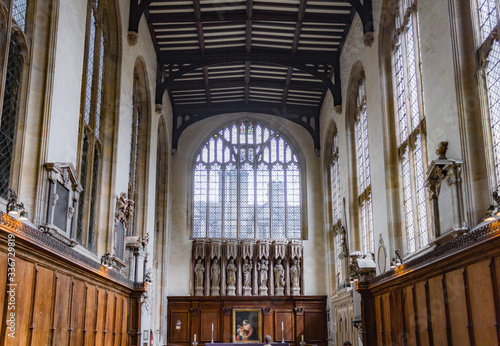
[296, 249]
[247, 249]
[446, 197]
[199, 249]
[231, 249]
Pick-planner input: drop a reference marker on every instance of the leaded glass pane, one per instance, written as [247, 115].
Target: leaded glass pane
[91, 240]
[215, 202]
[371, 243]
[488, 17]
[408, 202]
[338, 251]
[293, 201]
[83, 182]
[90, 69]
[493, 85]
[231, 202]
[364, 226]
[19, 8]
[412, 74]
[200, 201]
[246, 198]
[246, 202]
[421, 197]
[8, 122]
[100, 78]
[400, 91]
[263, 203]
[278, 202]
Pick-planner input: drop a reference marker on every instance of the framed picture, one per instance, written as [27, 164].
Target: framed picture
[247, 325]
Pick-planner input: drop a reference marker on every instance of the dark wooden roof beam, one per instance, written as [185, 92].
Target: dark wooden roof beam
[136, 11]
[365, 12]
[178, 86]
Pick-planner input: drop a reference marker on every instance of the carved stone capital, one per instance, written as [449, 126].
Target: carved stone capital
[338, 109]
[158, 108]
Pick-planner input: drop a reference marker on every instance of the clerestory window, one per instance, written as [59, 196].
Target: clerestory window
[247, 184]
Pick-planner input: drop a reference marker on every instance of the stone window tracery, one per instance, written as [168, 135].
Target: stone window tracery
[410, 124]
[247, 184]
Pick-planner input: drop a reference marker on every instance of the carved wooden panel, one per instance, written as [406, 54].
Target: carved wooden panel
[409, 316]
[179, 326]
[421, 304]
[378, 317]
[207, 318]
[315, 328]
[386, 317]
[481, 303]
[396, 312]
[285, 317]
[458, 307]
[41, 319]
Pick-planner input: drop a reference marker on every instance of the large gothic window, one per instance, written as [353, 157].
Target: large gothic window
[12, 91]
[410, 126]
[247, 184]
[365, 209]
[90, 129]
[489, 53]
[336, 199]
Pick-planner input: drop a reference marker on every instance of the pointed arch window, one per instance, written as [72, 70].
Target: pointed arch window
[410, 122]
[14, 87]
[337, 209]
[247, 184]
[489, 53]
[90, 125]
[364, 188]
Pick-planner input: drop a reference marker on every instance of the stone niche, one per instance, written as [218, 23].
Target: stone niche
[256, 267]
[444, 183]
[62, 201]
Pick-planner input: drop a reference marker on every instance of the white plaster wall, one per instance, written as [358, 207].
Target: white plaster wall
[65, 110]
[180, 245]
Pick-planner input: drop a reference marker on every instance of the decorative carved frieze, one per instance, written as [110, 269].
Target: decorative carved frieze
[215, 249]
[296, 249]
[263, 246]
[199, 249]
[280, 249]
[231, 249]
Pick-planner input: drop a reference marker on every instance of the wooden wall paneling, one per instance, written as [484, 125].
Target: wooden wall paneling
[77, 313]
[421, 313]
[437, 310]
[207, 318]
[386, 317]
[90, 314]
[495, 284]
[100, 316]
[116, 318]
[429, 316]
[379, 321]
[43, 306]
[314, 326]
[124, 332]
[24, 290]
[226, 324]
[396, 317]
[32, 305]
[285, 316]
[449, 339]
[481, 303]
[455, 290]
[3, 295]
[182, 334]
[110, 308]
[409, 311]
[300, 325]
[195, 322]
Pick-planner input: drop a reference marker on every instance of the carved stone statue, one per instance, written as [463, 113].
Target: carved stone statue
[279, 277]
[247, 277]
[199, 269]
[215, 273]
[295, 276]
[215, 276]
[263, 267]
[231, 274]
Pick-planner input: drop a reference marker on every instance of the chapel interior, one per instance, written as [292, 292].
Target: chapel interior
[196, 172]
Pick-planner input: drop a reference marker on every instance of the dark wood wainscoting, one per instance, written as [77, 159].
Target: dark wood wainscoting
[57, 299]
[301, 315]
[449, 296]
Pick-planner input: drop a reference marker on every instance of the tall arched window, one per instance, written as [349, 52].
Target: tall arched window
[410, 122]
[14, 87]
[489, 53]
[138, 144]
[336, 203]
[90, 121]
[365, 210]
[247, 184]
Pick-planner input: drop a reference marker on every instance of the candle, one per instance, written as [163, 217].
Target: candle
[282, 328]
[195, 338]
[212, 327]
[302, 338]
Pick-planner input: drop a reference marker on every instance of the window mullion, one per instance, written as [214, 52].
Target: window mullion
[254, 165]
